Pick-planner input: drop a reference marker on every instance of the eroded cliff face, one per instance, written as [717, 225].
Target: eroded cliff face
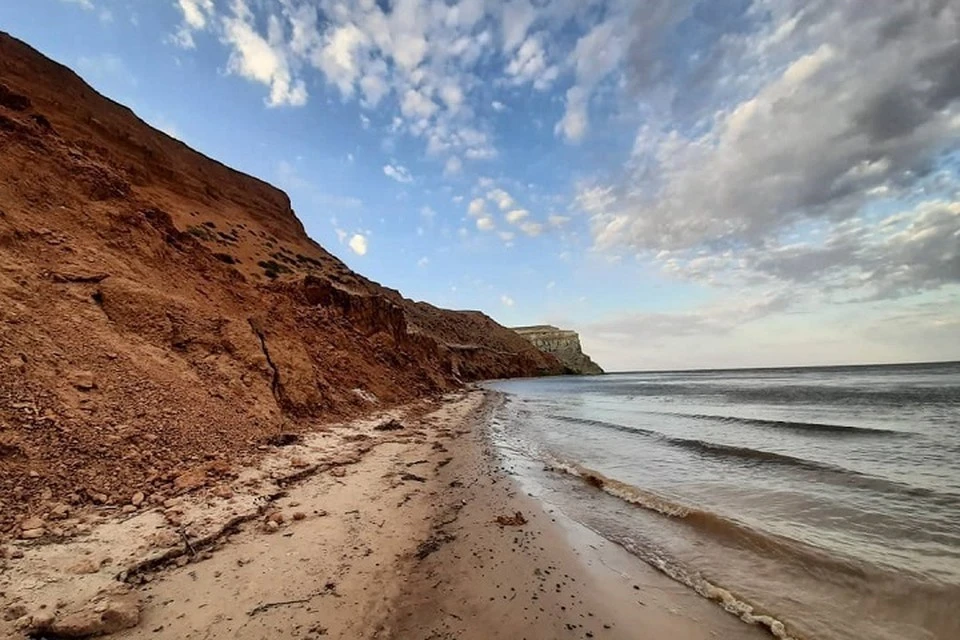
[563, 344]
[162, 313]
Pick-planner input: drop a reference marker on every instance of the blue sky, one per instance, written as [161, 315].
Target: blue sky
[688, 183]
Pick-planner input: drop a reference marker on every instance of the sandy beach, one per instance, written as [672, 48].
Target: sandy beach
[382, 528]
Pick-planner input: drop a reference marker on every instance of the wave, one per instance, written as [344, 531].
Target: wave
[821, 427]
[711, 523]
[826, 472]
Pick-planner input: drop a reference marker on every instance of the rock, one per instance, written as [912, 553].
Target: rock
[183, 561]
[137, 499]
[276, 517]
[84, 381]
[40, 621]
[338, 472]
[299, 463]
[271, 526]
[222, 492]
[14, 611]
[15, 554]
[84, 567]
[299, 515]
[32, 523]
[108, 616]
[128, 508]
[32, 534]
[99, 498]
[190, 480]
[60, 511]
[565, 345]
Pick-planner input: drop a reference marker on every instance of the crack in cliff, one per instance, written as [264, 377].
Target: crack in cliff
[275, 380]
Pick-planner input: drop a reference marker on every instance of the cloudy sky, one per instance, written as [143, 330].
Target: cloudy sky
[688, 183]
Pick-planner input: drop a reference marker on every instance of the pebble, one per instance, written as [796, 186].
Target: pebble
[32, 534]
[137, 499]
[32, 523]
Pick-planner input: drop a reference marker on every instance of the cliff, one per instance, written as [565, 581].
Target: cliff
[565, 345]
[163, 314]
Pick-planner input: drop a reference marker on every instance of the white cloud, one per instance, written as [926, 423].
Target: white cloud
[86, 4]
[338, 56]
[476, 207]
[516, 215]
[197, 16]
[503, 199]
[498, 106]
[507, 236]
[485, 223]
[557, 220]
[417, 105]
[398, 173]
[453, 166]
[195, 12]
[358, 243]
[260, 59]
[506, 300]
[517, 18]
[573, 125]
[532, 228]
[529, 65]
[427, 212]
[422, 262]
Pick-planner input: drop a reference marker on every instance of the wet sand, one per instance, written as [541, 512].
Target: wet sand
[359, 532]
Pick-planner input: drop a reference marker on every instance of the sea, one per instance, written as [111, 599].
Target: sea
[822, 502]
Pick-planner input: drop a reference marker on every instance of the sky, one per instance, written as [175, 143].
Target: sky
[687, 183]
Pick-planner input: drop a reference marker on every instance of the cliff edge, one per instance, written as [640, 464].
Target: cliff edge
[563, 344]
[162, 315]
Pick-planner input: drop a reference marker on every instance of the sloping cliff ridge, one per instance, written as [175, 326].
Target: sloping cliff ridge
[563, 344]
[162, 315]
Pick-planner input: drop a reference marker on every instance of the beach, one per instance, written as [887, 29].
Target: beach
[386, 527]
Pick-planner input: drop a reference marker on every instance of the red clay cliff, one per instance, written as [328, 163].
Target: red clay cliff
[162, 315]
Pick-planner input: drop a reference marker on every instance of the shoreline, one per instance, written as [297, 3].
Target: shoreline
[381, 528]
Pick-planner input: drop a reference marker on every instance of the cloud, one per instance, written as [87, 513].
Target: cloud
[423, 262]
[197, 15]
[485, 223]
[498, 106]
[260, 59]
[506, 300]
[529, 65]
[503, 199]
[573, 125]
[596, 55]
[855, 107]
[532, 229]
[398, 173]
[557, 220]
[476, 207]
[86, 4]
[453, 166]
[517, 18]
[515, 216]
[195, 12]
[806, 147]
[358, 243]
[427, 212]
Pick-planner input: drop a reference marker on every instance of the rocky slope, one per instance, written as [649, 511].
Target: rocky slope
[162, 315]
[565, 345]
